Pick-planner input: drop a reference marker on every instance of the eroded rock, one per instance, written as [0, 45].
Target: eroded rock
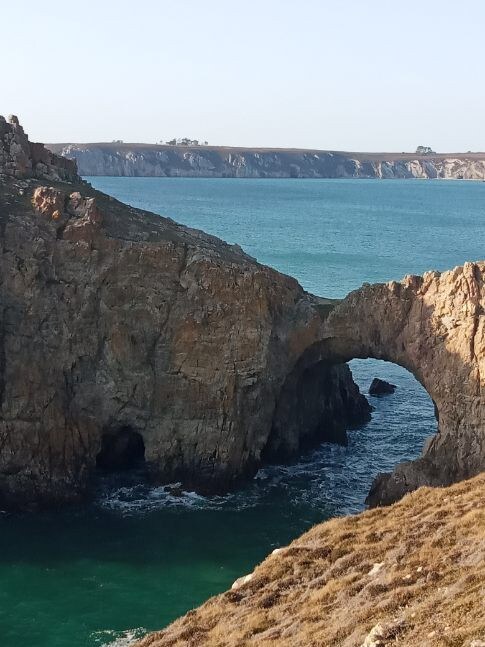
[434, 326]
[20, 158]
[112, 317]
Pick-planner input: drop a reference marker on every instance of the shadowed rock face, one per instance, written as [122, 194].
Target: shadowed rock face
[381, 387]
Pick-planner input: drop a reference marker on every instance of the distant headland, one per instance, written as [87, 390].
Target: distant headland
[190, 159]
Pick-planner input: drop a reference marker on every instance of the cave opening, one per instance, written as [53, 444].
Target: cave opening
[122, 449]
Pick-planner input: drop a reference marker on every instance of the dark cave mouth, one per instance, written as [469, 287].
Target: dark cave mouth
[121, 450]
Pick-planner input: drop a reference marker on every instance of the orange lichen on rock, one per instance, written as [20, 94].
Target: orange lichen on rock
[49, 202]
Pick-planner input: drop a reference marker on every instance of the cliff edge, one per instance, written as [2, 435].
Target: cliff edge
[21, 158]
[150, 160]
[410, 574]
[129, 339]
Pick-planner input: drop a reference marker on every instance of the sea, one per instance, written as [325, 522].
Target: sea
[136, 557]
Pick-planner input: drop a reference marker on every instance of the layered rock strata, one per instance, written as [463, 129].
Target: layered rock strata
[132, 160]
[21, 158]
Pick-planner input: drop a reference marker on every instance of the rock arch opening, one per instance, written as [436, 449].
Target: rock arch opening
[318, 403]
[122, 449]
[326, 402]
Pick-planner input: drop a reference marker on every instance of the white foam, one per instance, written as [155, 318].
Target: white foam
[112, 638]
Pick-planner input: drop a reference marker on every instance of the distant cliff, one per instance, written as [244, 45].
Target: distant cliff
[148, 160]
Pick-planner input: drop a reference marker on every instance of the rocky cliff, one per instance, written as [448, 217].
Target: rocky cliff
[133, 160]
[125, 336]
[20, 158]
[409, 575]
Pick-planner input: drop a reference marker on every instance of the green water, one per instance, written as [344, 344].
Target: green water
[138, 557]
[68, 579]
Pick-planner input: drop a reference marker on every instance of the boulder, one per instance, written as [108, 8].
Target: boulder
[381, 387]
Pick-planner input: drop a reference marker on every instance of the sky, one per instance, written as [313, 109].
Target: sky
[356, 75]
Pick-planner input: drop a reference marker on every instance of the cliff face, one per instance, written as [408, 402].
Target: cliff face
[125, 335]
[133, 160]
[21, 158]
[408, 575]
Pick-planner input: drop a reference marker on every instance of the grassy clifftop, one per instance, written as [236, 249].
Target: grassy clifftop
[412, 574]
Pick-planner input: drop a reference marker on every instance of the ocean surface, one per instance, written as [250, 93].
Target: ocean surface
[137, 557]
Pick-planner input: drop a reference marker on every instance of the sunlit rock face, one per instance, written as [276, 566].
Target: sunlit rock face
[434, 326]
[20, 158]
[135, 160]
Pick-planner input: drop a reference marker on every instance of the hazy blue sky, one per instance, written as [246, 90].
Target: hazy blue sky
[348, 75]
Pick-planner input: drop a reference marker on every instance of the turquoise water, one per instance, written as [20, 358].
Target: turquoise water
[137, 557]
[332, 235]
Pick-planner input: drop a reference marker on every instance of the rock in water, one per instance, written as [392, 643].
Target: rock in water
[381, 387]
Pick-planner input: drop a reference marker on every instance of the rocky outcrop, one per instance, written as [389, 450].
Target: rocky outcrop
[124, 333]
[21, 158]
[408, 575]
[381, 387]
[132, 160]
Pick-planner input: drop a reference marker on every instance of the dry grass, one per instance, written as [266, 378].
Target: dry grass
[416, 568]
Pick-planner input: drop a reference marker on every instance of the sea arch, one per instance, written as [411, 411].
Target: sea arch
[434, 326]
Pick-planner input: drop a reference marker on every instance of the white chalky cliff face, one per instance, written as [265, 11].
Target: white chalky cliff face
[132, 160]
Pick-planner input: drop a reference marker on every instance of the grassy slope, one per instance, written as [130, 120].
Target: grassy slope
[416, 569]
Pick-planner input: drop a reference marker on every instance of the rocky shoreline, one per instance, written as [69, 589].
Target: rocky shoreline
[147, 160]
[123, 330]
[127, 336]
